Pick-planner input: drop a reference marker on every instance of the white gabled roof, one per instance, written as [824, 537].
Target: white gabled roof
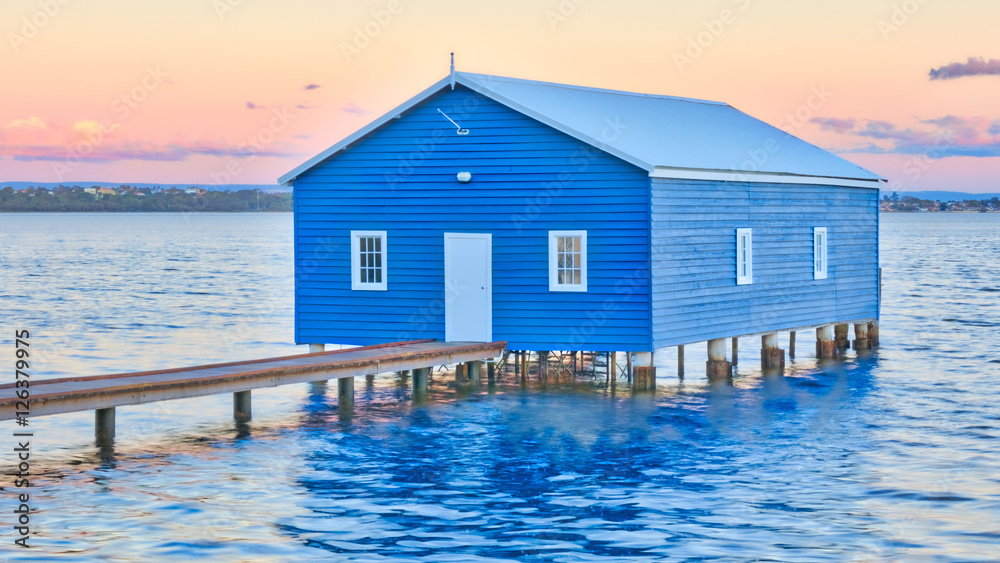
[669, 137]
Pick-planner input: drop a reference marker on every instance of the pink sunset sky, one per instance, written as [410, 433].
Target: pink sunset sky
[176, 92]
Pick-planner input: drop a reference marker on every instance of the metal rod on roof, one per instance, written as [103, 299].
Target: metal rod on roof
[453, 71]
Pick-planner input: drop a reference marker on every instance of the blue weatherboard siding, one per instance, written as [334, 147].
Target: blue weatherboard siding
[527, 179]
[695, 296]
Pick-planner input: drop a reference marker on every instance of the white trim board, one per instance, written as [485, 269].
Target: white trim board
[758, 177]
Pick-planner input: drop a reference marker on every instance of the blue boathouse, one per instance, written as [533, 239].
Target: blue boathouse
[560, 217]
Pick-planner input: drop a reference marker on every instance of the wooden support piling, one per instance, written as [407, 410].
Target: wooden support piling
[524, 366]
[840, 335]
[420, 383]
[680, 361]
[861, 341]
[644, 373]
[826, 344]
[717, 368]
[736, 350]
[543, 365]
[345, 392]
[242, 410]
[614, 367]
[104, 426]
[628, 366]
[771, 357]
[791, 344]
[491, 376]
[873, 333]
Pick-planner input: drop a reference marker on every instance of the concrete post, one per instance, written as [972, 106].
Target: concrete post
[643, 372]
[826, 345]
[491, 371]
[791, 344]
[873, 333]
[736, 350]
[861, 341]
[717, 366]
[840, 335]
[459, 373]
[345, 393]
[241, 406]
[680, 361]
[318, 387]
[770, 355]
[473, 370]
[104, 426]
[420, 384]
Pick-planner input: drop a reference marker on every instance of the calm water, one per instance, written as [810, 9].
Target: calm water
[893, 456]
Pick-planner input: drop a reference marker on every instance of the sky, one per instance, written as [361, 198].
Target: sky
[242, 91]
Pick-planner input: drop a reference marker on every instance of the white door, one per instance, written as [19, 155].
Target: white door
[468, 287]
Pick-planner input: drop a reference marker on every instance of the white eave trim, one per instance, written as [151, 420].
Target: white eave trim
[760, 177]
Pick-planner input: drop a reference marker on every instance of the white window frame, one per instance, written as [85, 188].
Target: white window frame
[742, 257]
[554, 284]
[356, 283]
[821, 258]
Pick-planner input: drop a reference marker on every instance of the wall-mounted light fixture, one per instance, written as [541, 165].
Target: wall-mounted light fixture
[464, 176]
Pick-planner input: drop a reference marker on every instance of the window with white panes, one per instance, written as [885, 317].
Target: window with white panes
[819, 253]
[744, 256]
[568, 260]
[368, 260]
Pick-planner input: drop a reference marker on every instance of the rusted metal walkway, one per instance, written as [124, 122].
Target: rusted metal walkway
[104, 392]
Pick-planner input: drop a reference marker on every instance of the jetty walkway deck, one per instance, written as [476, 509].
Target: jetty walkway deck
[104, 392]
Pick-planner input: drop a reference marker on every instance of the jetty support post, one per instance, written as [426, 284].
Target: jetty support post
[242, 411]
[491, 371]
[717, 368]
[736, 350]
[791, 344]
[643, 372]
[826, 344]
[873, 333]
[840, 335]
[680, 361]
[345, 393]
[473, 370]
[318, 387]
[104, 426]
[420, 384]
[771, 357]
[861, 341]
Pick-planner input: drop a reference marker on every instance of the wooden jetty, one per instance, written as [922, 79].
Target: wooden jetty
[103, 393]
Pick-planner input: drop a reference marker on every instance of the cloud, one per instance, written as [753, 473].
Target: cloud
[302, 136]
[251, 105]
[32, 122]
[301, 106]
[311, 86]
[355, 109]
[833, 124]
[937, 138]
[975, 66]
